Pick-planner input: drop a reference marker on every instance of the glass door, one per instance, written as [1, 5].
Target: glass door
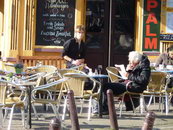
[122, 30]
[97, 32]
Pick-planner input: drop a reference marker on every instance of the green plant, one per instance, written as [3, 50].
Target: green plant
[10, 75]
[18, 65]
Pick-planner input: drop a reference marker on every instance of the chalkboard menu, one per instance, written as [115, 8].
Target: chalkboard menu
[54, 22]
[166, 37]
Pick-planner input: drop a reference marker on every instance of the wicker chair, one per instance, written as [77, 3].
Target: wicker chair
[61, 72]
[9, 100]
[80, 67]
[46, 89]
[158, 88]
[112, 73]
[76, 83]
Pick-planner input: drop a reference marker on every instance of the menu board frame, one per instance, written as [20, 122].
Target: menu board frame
[55, 21]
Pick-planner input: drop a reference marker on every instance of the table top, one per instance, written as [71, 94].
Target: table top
[99, 76]
[163, 70]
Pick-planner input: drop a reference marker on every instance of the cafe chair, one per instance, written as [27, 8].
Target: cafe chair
[157, 87]
[48, 69]
[62, 72]
[79, 67]
[45, 68]
[56, 90]
[9, 101]
[114, 76]
[46, 89]
[9, 67]
[76, 83]
[112, 73]
[142, 104]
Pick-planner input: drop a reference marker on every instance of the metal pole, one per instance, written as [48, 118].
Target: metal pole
[73, 111]
[149, 121]
[112, 112]
[55, 124]
[110, 34]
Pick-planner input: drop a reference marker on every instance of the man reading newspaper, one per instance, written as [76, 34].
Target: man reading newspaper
[137, 75]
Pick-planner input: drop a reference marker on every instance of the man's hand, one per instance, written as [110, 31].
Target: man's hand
[129, 67]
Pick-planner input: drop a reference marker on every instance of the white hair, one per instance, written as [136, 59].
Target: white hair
[135, 56]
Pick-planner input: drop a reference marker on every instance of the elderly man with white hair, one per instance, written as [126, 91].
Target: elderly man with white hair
[138, 75]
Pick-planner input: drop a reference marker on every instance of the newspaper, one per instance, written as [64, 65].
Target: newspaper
[122, 71]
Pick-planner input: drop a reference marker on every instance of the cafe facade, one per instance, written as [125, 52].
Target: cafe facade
[33, 29]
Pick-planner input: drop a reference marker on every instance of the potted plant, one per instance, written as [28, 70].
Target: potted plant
[18, 68]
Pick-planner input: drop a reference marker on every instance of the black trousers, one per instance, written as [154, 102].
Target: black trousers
[120, 88]
[117, 88]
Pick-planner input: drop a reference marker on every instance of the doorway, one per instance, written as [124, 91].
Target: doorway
[122, 30]
[110, 26]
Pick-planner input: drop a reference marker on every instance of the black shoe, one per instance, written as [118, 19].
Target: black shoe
[105, 112]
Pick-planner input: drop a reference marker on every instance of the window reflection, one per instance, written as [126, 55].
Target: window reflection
[124, 42]
[123, 25]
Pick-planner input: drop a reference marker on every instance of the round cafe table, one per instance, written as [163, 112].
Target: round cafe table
[163, 70]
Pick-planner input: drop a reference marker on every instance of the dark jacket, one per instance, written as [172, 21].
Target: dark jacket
[74, 51]
[140, 76]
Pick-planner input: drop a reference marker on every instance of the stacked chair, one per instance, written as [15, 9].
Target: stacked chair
[9, 100]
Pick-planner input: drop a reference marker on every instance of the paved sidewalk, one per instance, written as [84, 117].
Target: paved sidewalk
[128, 121]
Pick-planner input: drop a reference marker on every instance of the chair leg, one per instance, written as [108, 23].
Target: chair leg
[166, 104]
[11, 117]
[81, 109]
[55, 111]
[23, 116]
[121, 105]
[64, 109]
[1, 116]
[161, 103]
[35, 112]
[142, 104]
[134, 110]
[89, 108]
[5, 114]
[161, 100]
[149, 103]
[154, 98]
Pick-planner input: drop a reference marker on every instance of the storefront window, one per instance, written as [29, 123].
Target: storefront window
[95, 23]
[123, 25]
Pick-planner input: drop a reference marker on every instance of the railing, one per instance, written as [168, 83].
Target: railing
[45, 60]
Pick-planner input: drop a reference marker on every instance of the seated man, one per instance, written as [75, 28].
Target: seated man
[138, 75]
[165, 58]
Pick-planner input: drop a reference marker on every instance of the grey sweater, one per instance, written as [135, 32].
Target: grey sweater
[164, 59]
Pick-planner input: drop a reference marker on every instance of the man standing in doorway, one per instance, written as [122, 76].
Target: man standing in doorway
[74, 49]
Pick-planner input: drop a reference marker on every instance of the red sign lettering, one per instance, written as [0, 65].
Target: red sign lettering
[151, 4]
[150, 43]
[148, 31]
[151, 18]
